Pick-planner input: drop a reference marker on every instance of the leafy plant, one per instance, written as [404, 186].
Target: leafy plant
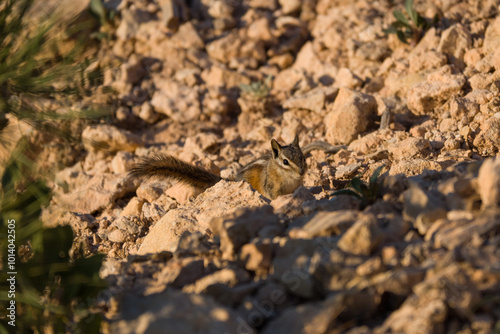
[52, 290]
[367, 193]
[258, 89]
[408, 29]
[35, 68]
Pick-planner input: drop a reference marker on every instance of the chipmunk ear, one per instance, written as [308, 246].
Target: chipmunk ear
[276, 148]
[296, 140]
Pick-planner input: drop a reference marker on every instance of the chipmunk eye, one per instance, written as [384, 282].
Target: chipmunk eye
[285, 162]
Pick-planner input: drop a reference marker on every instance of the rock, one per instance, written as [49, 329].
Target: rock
[150, 191]
[187, 37]
[314, 100]
[239, 228]
[487, 141]
[293, 265]
[133, 208]
[363, 237]
[232, 47]
[148, 114]
[349, 115]
[488, 182]
[455, 41]
[291, 204]
[176, 312]
[492, 37]
[174, 12]
[410, 148]
[326, 223]
[460, 232]
[79, 222]
[413, 167]
[118, 236]
[439, 87]
[308, 318]
[227, 276]
[426, 61]
[180, 272]
[345, 78]
[99, 193]
[257, 255]
[422, 207]
[121, 162]
[132, 71]
[130, 23]
[109, 138]
[179, 102]
[222, 199]
[290, 6]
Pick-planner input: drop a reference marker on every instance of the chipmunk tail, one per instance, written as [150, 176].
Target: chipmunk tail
[169, 167]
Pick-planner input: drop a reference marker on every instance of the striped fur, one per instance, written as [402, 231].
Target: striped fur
[167, 166]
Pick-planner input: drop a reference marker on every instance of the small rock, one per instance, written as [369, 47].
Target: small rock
[410, 148]
[239, 228]
[179, 102]
[345, 78]
[118, 236]
[488, 182]
[257, 255]
[349, 116]
[133, 208]
[121, 162]
[439, 87]
[109, 138]
[362, 238]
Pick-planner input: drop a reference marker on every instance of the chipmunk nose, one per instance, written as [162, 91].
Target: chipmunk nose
[302, 171]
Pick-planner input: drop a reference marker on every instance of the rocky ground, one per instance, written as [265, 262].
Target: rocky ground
[211, 82]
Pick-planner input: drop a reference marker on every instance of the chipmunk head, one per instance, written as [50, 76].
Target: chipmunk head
[289, 157]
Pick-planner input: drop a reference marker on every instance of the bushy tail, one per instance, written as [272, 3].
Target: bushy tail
[166, 166]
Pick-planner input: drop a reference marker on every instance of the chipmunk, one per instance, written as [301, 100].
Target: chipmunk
[277, 173]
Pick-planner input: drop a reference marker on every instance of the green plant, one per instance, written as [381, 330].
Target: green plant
[35, 67]
[52, 289]
[258, 89]
[367, 193]
[412, 29]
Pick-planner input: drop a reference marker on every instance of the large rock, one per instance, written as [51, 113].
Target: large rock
[349, 116]
[455, 41]
[222, 199]
[439, 87]
[176, 312]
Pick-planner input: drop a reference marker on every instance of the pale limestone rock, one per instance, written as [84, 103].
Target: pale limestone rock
[349, 116]
[362, 237]
[179, 102]
[439, 86]
[121, 162]
[109, 138]
[133, 208]
[222, 199]
[492, 36]
[410, 148]
[488, 182]
[455, 41]
[346, 78]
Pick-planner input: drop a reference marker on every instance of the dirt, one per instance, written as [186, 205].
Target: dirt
[418, 253]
